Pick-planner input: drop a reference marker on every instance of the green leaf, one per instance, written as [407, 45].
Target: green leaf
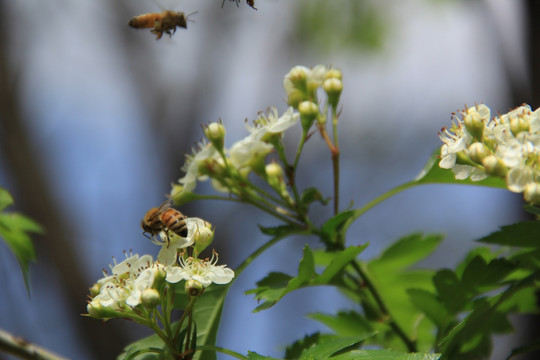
[326, 349]
[431, 306]
[471, 337]
[384, 355]
[144, 349]
[407, 251]
[312, 194]
[273, 287]
[276, 285]
[15, 230]
[450, 291]
[433, 174]
[5, 199]
[333, 226]
[391, 275]
[344, 323]
[279, 231]
[522, 234]
[295, 350]
[340, 260]
[479, 273]
[532, 209]
[255, 356]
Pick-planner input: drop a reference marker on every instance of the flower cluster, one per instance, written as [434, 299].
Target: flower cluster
[506, 146]
[133, 282]
[228, 168]
[140, 281]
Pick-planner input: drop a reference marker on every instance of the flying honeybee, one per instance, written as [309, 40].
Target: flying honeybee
[163, 22]
[164, 218]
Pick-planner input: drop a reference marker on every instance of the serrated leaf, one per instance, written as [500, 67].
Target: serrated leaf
[450, 291]
[433, 174]
[273, 287]
[312, 194]
[384, 355]
[296, 349]
[407, 251]
[487, 317]
[276, 285]
[522, 234]
[479, 273]
[332, 227]
[15, 230]
[326, 349]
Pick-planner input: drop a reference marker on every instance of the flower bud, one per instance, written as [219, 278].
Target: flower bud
[333, 88]
[532, 193]
[494, 166]
[308, 112]
[477, 152]
[94, 290]
[150, 298]
[98, 311]
[296, 79]
[274, 175]
[204, 235]
[474, 123]
[333, 74]
[518, 124]
[215, 132]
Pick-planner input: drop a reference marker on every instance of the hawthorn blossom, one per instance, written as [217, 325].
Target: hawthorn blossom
[506, 146]
[202, 272]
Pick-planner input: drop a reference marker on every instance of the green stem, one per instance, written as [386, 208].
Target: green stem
[263, 208]
[410, 344]
[335, 160]
[189, 307]
[361, 211]
[264, 247]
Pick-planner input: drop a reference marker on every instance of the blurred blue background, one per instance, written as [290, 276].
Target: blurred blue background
[96, 119]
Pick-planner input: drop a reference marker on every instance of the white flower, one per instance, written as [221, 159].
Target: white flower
[174, 243]
[253, 147]
[201, 271]
[455, 140]
[191, 166]
[144, 281]
[518, 178]
[244, 151]
[462, 172]
[125, 286]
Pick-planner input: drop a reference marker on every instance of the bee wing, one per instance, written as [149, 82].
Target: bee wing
[163, 207]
